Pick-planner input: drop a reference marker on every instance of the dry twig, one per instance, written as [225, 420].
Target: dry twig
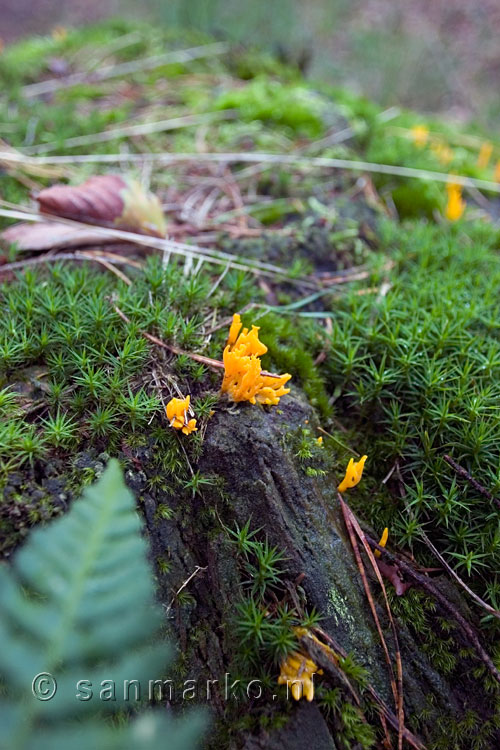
[208, 361]
[466, 475]
[427, 584]
[125, 69]
[386, 713]
[195, 572]
[300, 162]
[397, 690]
[457, 578]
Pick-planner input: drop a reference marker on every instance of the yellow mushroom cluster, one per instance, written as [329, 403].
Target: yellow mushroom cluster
[456, 204]
[177, 414]
[243, 376]
[297, 671]
[420, 134]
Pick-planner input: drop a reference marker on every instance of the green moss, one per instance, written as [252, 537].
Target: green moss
[292, 105]
[73, 375]
[293, 345]
[423, 364]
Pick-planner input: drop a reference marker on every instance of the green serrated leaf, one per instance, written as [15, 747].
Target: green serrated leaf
[78, 604]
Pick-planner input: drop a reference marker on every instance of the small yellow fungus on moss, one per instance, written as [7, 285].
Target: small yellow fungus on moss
[497, 171]
[456, 204]
[484, 156]
[442, 152]
[319, 440]
[383, 541]
[353, 474]
[298, 671]
[420, 135]
[243, 376]
[177, 410]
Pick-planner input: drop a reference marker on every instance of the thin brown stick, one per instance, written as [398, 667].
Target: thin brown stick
[115, 258]
[109, 266]
[195, 572]
[215, 363]
[427, 584]
[457, 578]
[385, 710]
[399, 665]
[466, 475]
[328, 662]
[208, 361]
[366, 586]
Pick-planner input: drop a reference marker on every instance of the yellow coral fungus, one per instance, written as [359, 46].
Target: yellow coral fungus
[383, 541]
[353, 474]
[245, 342]
[484, 156]
[177, 410]
[319, 440]
[243, 376]
[297, 671]
[420, 135]
[456, 204]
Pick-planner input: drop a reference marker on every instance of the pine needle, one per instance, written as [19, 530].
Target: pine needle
[300, 162]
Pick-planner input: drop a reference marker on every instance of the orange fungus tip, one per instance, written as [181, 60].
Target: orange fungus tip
[353, 474]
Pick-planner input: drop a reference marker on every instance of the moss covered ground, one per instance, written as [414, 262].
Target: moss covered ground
[384, 313]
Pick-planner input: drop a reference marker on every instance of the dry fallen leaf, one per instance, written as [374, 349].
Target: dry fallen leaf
[50, 235]
[107, 200]
[392, 573]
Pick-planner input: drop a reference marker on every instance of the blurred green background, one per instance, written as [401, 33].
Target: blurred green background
[441, 56]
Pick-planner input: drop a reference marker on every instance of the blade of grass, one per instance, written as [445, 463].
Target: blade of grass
[143, 128]
[125, 69]
[214, 363]
[210, 256]
[286, 159]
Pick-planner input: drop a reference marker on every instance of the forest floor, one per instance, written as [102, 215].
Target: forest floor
[363, 242]
[436, 57]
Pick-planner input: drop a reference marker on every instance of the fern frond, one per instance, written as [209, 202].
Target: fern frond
[78, 604]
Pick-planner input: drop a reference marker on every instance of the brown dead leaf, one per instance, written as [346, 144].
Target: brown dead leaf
[50, 235]
[107, 200]
[392, 574]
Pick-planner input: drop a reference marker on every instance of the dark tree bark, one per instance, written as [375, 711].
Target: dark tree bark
[248, 447]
